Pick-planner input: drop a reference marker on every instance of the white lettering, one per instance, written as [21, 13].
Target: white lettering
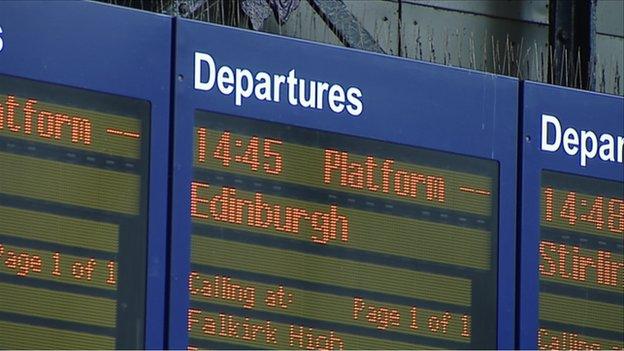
[320, 94]
[264, 86]
[243, 77]
[225, 79]
[586, 143]
[278, 80]
[199, 59]
[353, 96]
[570, 141]
[336, 98]
[585, 152]
[310, 101]
[547, 119]
[606, 149]
[292, 87]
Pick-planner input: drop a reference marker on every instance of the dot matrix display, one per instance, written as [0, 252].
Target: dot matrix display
[73, 217]
[581, 267]
[309, 239]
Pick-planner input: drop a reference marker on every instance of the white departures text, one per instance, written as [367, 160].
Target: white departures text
[274, 87]
[586, 143]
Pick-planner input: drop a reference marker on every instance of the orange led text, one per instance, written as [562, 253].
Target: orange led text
[228, 207]
[567, 262]
[27, 118]
[381, 176]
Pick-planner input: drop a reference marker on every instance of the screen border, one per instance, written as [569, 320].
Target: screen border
[74, 44]
[583, 110]
[461, 97]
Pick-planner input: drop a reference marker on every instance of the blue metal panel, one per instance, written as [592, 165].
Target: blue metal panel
[404, 102]
[573, 108]
[111, 50]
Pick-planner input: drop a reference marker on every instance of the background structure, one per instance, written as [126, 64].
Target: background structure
[575, 43]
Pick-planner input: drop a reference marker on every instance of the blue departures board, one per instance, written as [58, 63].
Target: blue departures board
[73, 214]
[322, 198]
[83, 153]
[573, 220]
[317, 203]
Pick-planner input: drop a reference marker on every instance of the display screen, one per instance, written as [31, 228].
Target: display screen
[73, 217]
[581, 299]
[308, 239]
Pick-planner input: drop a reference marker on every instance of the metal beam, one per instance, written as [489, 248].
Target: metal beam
[572, 36]
[183, 8]
[346, 27]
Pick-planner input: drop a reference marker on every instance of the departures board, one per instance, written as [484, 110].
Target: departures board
[572, 268]
[317, 204]
[166, 183]
[83, 159]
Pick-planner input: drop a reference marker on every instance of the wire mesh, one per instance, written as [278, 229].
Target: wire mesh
[457, 47]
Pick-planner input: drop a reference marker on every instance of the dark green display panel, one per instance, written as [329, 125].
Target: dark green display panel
[581, 300]
[304, 238]
[73, 217]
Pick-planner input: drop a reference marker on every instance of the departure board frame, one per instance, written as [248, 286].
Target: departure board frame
[406, 103]
[570, 171]
[104, 50]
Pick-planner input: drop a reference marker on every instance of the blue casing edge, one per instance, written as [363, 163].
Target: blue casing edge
[113, 50]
